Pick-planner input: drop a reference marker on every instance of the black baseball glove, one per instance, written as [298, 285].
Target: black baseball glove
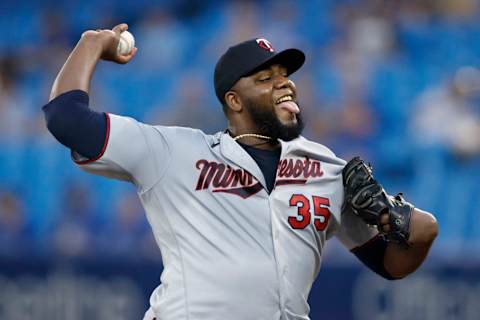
[366, 198]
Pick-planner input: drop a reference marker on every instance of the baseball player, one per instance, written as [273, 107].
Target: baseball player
[241, 217]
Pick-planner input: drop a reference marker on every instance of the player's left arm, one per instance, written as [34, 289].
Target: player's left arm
[406, 233]
[400, 261]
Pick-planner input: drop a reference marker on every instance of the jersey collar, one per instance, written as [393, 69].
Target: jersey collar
[232, 151]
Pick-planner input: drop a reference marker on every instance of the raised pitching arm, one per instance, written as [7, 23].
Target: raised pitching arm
[67, 115]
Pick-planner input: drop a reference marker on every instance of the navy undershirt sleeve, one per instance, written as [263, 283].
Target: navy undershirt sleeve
[75, 125]
[372, 255]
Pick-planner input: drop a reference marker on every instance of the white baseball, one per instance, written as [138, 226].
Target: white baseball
[126, 43]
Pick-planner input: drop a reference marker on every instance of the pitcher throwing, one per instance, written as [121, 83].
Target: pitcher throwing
[241, 217]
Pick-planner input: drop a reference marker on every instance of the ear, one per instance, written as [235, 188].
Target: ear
[232, 101]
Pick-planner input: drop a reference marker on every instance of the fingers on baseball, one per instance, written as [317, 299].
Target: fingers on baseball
[125, 59]
[119, 28]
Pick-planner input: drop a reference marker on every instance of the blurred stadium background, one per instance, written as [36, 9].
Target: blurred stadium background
[393, 81]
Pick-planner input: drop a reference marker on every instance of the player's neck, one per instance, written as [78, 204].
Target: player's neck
[253, 139]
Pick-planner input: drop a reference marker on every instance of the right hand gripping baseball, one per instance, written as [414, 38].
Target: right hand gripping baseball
[107, 41]
[366, 198]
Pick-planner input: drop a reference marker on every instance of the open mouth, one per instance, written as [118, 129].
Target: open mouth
[288, 103]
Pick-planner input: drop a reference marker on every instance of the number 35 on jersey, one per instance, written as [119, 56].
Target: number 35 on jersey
[316, 208]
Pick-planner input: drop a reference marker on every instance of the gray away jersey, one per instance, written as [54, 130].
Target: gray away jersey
[230, 250]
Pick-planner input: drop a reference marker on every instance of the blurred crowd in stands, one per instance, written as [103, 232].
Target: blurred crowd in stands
[393, 81]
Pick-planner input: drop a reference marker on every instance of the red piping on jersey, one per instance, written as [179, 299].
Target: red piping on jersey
[366, 244]
[107, 135]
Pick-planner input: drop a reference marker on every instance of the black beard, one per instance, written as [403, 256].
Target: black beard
[269, 125]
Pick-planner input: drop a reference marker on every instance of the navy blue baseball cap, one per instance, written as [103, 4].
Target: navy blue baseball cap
[248, 57]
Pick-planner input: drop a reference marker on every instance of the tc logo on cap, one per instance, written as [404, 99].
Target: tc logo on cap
[265, 44]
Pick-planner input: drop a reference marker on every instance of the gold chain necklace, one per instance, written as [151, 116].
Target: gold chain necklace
[254, 135]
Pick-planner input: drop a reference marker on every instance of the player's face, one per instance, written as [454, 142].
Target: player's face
[270, 99]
